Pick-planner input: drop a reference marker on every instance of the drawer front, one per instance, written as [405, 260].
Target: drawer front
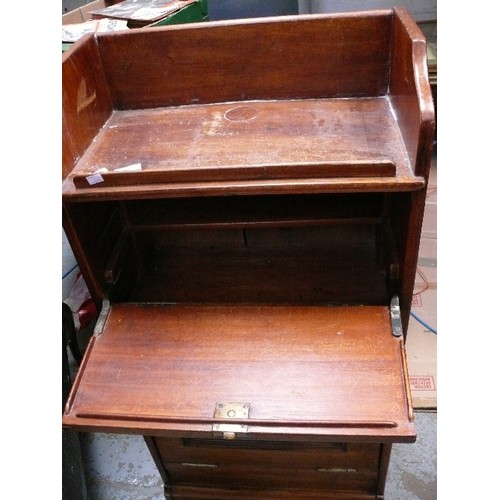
[272, 465]
[227, 476]
[284, 454]
[182, 492]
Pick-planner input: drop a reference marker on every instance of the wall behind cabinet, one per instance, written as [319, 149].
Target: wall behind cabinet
[422, 10]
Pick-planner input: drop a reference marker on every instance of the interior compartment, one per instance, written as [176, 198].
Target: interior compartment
[262, 249]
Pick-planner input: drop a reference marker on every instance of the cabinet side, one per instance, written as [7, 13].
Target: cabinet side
[411, 99]
[410, 91]
[86, 102]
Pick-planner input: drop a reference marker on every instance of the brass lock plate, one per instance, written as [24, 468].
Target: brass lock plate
[228, 411]
[232, 410]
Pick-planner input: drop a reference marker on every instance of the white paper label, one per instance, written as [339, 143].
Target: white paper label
[94, 179]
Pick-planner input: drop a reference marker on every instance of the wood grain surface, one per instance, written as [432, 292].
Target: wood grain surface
[304, 370]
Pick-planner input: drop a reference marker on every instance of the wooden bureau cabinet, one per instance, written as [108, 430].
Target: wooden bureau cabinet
[245, 199]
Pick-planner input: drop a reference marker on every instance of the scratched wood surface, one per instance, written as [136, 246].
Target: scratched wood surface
[86, 101]
[161, 368]
[328, 138]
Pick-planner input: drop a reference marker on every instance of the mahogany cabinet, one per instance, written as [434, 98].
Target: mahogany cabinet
[245, 200]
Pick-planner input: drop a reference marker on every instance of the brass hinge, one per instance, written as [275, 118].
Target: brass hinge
[228, 411]
[103, 316]
[397, 326]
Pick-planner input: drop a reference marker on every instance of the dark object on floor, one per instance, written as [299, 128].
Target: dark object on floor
[69, 335]
[73, 478]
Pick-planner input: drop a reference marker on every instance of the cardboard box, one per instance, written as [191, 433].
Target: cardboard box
[82, 14]
[421, 343]
[421, 351]
[147, 13]
[98, 16]
[78, 22]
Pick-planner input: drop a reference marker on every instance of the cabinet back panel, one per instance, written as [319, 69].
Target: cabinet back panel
[333, 264]
[243, 60]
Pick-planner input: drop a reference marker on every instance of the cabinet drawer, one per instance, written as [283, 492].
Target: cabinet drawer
[266, 454]
[236, 476]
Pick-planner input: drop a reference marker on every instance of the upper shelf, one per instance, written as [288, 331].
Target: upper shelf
[308, 142]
